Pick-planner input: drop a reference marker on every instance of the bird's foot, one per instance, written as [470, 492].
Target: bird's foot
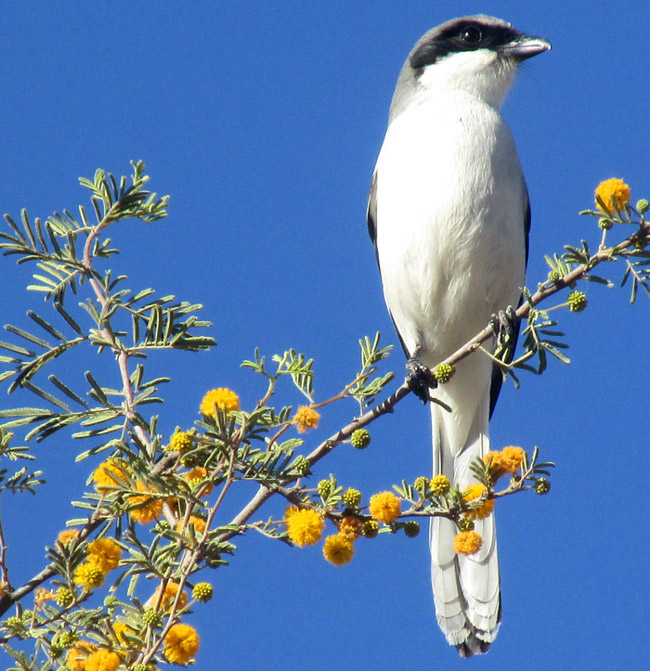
[503, 325]
[419, 379]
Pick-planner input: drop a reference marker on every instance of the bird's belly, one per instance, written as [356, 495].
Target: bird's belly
[450, 233]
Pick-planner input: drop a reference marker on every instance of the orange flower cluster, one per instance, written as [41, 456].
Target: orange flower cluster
[613, 191]
[384, 507]
[473, 492]
[306, 418]
[508, 460]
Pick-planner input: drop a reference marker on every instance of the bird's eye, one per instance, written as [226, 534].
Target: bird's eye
[471, 35]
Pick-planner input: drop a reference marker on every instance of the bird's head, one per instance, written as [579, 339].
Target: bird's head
[478, 55]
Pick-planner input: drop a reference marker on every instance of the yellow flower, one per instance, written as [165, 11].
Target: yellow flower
[290, 511]
[350, 527]
[181, 441]
[196, 523]
[512, 458]
[305, 418]
[203, 591]
[338, 549]
[305, 527]
[495, 459]
[106, 473]
[196, 476]
[147, 509]
[88, 575]
[119, 628]
[439, 485]
[42, 595]
[467, 542]
[169, 596]
[102, 660]
[77, 657]
[181, 644]
[105, 553]
[223, 398]
[384, 507]
[66, 536]
[615, 190]
[474, 492]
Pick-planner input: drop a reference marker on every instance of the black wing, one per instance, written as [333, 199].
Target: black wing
[497, 376]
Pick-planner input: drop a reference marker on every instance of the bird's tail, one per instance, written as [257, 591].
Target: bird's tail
[466, 589]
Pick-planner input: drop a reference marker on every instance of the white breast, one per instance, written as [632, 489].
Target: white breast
[451, 201]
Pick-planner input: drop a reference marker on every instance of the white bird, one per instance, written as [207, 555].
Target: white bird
[449, 216]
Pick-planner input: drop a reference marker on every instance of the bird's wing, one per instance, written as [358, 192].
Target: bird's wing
[497, 375]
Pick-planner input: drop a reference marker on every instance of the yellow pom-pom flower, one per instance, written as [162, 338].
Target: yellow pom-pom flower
[66, 536]
[197, 523]
[467, 542]
[613, 190]
[222, 398]
[181, 441]
[88, 575]
[350, 527]
[196, 476]
[109, 473]
[338, 549]
[102, 660]
[168, 597]
[105, 553]
[384, 507]
[146, 508]
[203, 591]
[439, 485]
[120, 629]
[474, 492]
[305, 527]
[512, 457]
[77, 656]
[181, 644]
[306, 418]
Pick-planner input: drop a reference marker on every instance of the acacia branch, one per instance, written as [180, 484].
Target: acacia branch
[543, 293]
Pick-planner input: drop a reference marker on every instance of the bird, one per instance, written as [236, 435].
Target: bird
[449, 216]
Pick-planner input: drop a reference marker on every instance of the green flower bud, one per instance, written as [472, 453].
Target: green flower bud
[421, 484]
[56, 650]
[360, 439]
[14, 622]
[111, 601]
[605, 223]
[554, 276]
[351, 497]
[465, 524]
[370, 529]
[301, 465]
[643, 206]
[577, 301]
[67, 638]
[411, 528]
[542, 486]
[151, 617]
[443, 372]
[64, 597]
[203, 591]
[325, 488]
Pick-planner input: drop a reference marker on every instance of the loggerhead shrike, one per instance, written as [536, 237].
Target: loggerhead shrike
[449, 216]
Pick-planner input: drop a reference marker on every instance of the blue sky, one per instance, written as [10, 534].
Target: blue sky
[263, 122]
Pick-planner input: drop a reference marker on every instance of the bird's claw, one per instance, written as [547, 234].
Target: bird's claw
[503, 325]
[419, 379]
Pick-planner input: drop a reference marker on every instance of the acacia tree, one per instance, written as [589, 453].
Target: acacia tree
[152, 506]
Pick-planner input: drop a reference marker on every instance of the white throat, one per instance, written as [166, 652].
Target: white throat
[480, 74]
